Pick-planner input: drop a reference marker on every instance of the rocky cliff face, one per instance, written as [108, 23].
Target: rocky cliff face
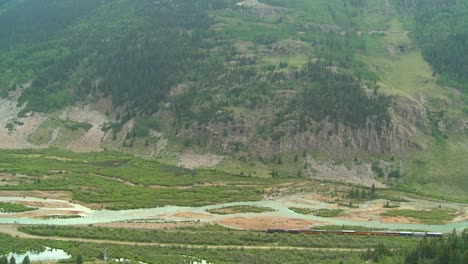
[408, 120]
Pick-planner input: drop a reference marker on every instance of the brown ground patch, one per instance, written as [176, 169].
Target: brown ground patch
[264, 223]
[192, 161]
[192, 215]
[461, 217]
[398, 220]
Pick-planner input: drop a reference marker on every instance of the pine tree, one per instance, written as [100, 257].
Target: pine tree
[296, 158]
[26, 260]
[12, 260]
[79, 259]
[280, 161]
[372, 194]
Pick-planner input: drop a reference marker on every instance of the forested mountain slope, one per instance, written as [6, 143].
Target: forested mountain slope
[253, 80]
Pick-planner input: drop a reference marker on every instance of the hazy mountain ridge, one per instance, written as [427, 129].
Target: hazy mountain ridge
[225, 77]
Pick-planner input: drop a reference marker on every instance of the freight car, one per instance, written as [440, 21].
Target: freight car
[358, 233]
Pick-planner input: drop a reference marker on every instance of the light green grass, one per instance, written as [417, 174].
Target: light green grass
[318, 212]
[14, 208]
[434, 216]
[240, 209]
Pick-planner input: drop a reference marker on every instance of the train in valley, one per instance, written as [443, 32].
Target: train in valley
[357, 233]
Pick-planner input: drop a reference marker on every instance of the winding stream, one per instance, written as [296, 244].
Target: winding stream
[166, 213]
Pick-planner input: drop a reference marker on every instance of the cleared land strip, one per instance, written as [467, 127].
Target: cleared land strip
[13, 231]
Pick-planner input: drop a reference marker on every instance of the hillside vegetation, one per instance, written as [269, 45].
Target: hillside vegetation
[280, 87]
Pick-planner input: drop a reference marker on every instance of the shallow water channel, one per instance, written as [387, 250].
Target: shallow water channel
[166, 214]
[49, 254]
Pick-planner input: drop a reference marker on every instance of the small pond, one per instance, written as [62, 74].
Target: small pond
[49, 254]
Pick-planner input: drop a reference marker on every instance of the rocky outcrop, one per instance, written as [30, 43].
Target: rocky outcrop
[261, 137]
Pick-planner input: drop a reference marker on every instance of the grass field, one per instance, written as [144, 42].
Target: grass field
[215, 236]
[14, 208]
[432, 217]
[92, 252]
[240, 209]
[110, 179]
[319, 212]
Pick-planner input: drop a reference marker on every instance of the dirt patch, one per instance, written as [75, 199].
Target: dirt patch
[361, 174]
[195, 161]
[192, 215]
[256, 8]
[17, 137]
[91, 141]
[398, 220]
[264, 223]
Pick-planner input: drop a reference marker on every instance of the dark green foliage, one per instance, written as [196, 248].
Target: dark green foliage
[451, 249]
[40, 20]
[136, 60]
[142, 126]
[215, 235]
[26, 260]
[339, 97]
[377, 253]
[377, 170]
[441, 31]
[14, 208]
[79, 259]
[394, 174]
[76, 125]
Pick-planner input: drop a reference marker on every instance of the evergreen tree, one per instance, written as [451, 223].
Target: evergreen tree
[363, 194]
[372, 194]
[12, 260]
[296, 158]
[79, 259]
[26, 260]
[280, 161]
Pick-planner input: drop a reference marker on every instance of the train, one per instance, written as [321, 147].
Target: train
[357, 233]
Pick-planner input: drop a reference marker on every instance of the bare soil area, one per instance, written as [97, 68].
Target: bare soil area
[190, 215]
[192, 161]
[264, 223]
[399, 220]
[352, 173]
[254, 7]
[91, 141]
[16, 138]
